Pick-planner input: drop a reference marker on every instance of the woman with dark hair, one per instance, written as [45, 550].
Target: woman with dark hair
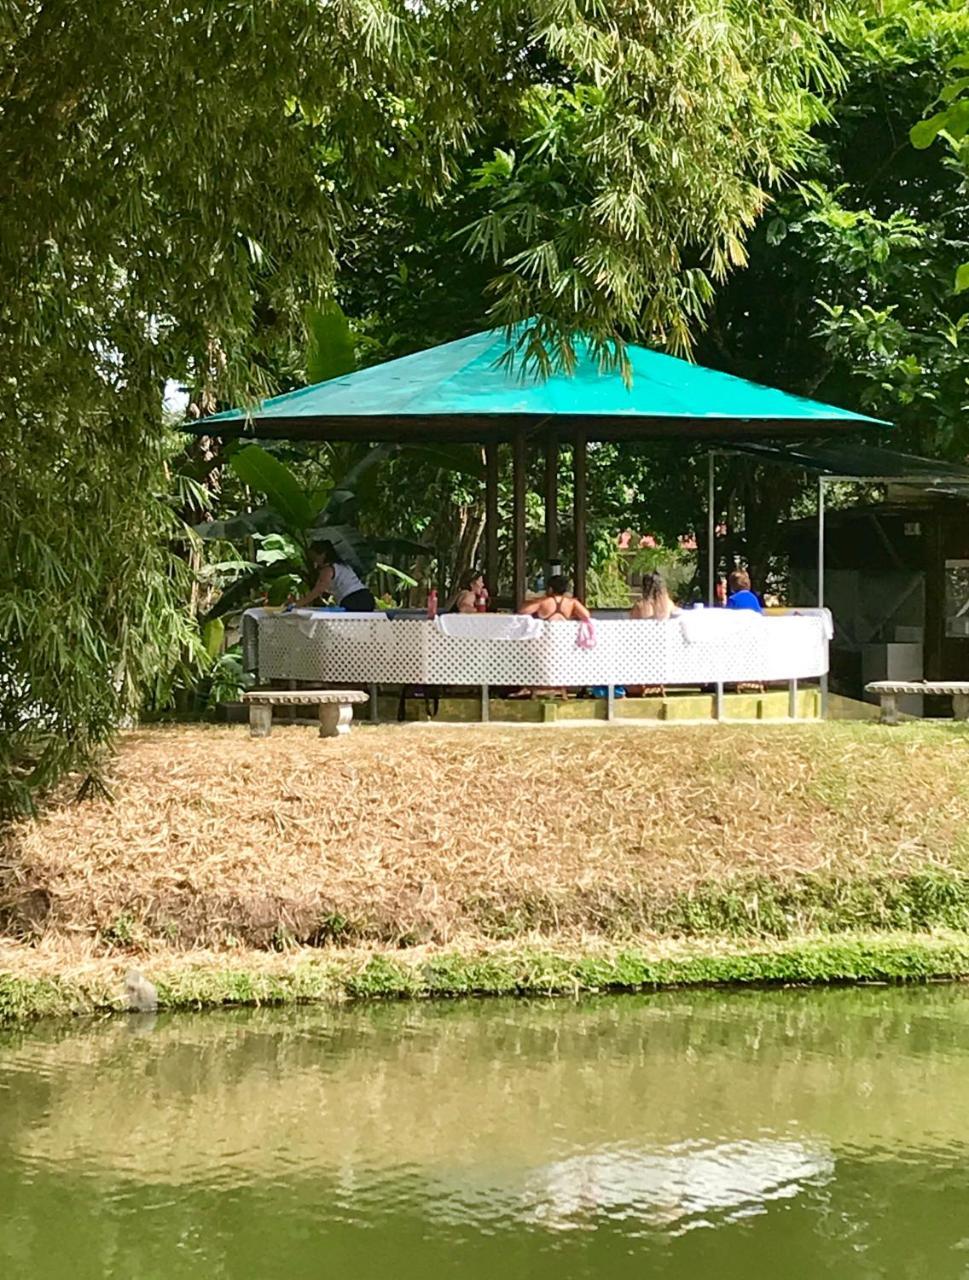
[471, 592]
[337, 579]
[655, 601]
[557, 605]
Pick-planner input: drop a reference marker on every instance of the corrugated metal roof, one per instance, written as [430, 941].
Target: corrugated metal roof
[855, 461]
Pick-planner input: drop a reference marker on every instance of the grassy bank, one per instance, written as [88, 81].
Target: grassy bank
[424, 860]
[60, 987]
[412, 836]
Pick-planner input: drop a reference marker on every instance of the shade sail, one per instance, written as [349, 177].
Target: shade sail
[855, 461]
[458, 391]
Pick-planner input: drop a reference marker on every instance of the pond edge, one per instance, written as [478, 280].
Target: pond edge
[304, 977]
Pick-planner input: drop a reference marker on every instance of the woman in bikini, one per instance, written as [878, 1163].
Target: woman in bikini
[555, 606]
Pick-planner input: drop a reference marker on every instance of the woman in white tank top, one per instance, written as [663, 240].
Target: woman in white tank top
[339, 580]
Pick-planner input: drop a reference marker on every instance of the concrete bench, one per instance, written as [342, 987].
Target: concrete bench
[889, 690]
[336, 708]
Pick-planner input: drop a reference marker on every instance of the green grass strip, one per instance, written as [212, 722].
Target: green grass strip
[505, 972]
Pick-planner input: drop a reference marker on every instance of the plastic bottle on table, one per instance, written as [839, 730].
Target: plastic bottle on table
[481, 601]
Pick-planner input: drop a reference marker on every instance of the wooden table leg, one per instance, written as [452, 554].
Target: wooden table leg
[260, 720]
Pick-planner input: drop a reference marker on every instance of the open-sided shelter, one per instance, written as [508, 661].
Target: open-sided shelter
[468, 391]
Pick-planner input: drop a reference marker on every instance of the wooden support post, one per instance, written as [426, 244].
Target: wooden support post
[551, 503]
[792, 699]
[580, 467]
[519, 489]
[485, 704]
[718, 701]
[491, 520]
[374, 706]
[933, 651]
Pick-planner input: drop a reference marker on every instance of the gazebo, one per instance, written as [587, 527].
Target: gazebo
[466, 391]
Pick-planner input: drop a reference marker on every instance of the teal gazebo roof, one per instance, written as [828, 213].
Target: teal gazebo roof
[459, 391]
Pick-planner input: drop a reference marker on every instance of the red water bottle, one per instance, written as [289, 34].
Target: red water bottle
[432, 603]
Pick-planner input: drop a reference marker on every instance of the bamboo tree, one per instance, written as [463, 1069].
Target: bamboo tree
[174, 179]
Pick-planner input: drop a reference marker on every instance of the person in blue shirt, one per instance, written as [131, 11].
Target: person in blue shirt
[740, 595]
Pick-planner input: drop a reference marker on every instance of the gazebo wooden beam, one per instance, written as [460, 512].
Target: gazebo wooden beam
[519, 491]
[491, 520]
[580, 468]
[551, 501]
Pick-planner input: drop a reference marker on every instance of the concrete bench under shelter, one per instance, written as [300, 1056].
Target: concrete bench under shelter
[336, 708]
[889, 690]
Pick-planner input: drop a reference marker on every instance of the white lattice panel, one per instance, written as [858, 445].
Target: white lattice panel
[719, 647]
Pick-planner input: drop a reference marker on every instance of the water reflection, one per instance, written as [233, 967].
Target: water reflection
[668, 1133]
[674, 1190]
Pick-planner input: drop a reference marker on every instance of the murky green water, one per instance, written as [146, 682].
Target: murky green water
[733, 1136]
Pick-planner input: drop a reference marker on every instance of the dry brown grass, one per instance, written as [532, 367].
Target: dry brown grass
[442, 834]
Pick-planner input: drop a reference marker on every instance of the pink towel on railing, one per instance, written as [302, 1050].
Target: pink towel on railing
[586, 635]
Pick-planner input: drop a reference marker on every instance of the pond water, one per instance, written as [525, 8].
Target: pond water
[788, 1134]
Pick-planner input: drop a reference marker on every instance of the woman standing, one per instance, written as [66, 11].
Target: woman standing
[338, 579]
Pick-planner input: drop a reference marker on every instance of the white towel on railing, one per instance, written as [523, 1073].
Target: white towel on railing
[326, 629]
[489, 626]
[706, 626]
[823, 617]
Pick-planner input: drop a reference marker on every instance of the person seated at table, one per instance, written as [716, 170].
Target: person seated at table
[337, 579]
[740, 595]
[471, 590]
[557, 605]
[655, 601]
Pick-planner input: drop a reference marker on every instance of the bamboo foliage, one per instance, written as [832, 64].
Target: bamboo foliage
[174, 177]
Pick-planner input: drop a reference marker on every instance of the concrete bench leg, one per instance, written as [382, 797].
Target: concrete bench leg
[335, 718]
[889, 708]
[960, 706]
[260, 721]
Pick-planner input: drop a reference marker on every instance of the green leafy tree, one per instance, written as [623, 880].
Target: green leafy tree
[175, 182]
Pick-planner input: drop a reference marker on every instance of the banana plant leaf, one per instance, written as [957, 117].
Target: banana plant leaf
[399, 574]
[267, 475]
[355, 483]
[247, 524]
[400, 547]
[330, 349]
